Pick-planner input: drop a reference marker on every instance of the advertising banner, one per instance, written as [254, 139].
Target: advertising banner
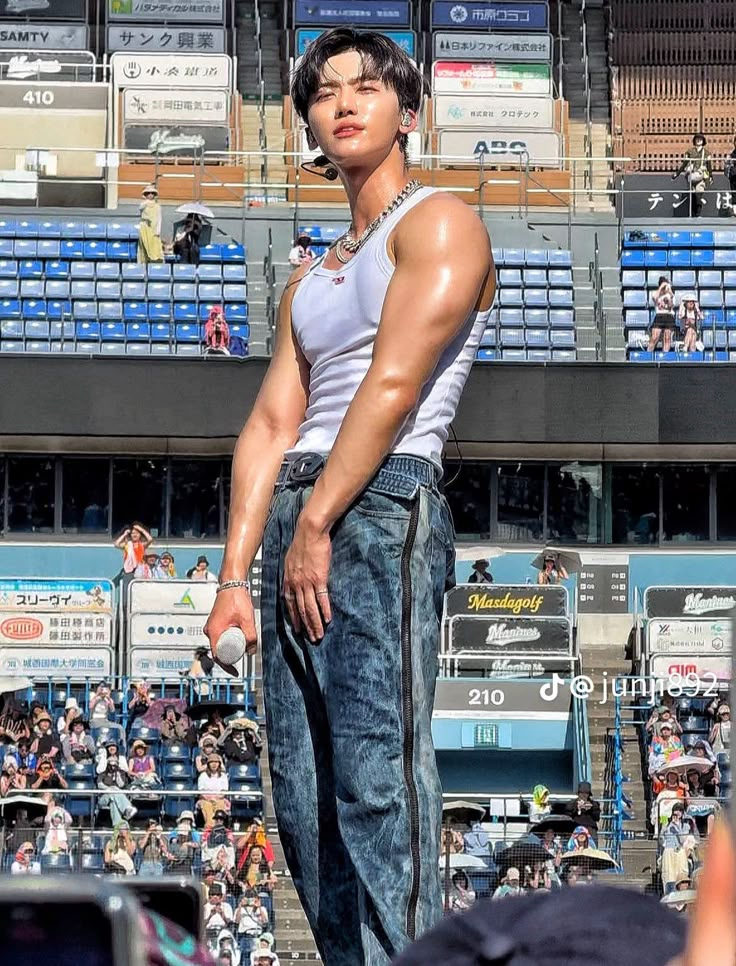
[166, 662]
[177, 106]
[181, 40]
[168, 630]
[78, 629]
[496, 16]
[44, 9]
[689, 637]
[464, 77]
[471, 635]
[44, 96]
[172, 71]
[703, 602]
[406, 39]
[505, 600]
[705, 669]
[512, 111]
[373, 13]
[476, 699]
[56, 65]
[34, 36]
[157, 11]
[171, 596]
[187, 140]
[27, 595]
[490, 46]
[658, 196]
[94, 662]
[502, 147]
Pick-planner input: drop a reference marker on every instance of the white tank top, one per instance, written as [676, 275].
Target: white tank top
[335, 315]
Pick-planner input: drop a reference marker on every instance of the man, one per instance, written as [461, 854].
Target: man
[697, 167]
[374, 345]
[481, 573]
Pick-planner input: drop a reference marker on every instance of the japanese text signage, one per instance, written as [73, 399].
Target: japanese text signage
[27, 595]
[464, 77]
[496, 16]
[157, 11]
[94, 662]
[496, 600]
[689, 602]
[604, 589]
[44, 9]
[501, 146]
[689, 637]
[375, 13]
[157, 662]
[468, 110]
[194, 107]
[658, 196]
[512, 635]
[171, 70]
[497, 47]
[30, 36]
[175, 39]
[406, 39]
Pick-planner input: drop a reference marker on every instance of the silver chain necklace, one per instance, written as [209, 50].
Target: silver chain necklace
[348, 245]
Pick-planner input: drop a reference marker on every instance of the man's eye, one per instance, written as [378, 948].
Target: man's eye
[369, 88]
[322, 95]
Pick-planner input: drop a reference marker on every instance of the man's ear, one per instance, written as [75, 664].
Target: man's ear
[311, 140]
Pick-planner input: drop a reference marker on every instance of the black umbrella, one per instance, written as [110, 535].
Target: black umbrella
[33, 805]
[524, 852]
[203, 709]
[559, 823]
[205, 231]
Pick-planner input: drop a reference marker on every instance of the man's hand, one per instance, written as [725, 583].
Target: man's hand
[306, 570]
[232, 608]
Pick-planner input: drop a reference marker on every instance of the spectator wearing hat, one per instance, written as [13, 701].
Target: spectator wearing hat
[690, 317]
[663, 714]
[673, 790]
[184, 843]
[119, 851]
[240, 743]
[539, 807]
[720, 733]
[552, 571]
[697, 166]
[251, 918]
[207, 747]
[147, 568]
[150, 248]
[217, 333]
[679, 840]
[139, 703]
[481, 574]
[700, 804]
[665, 746]
[709, 780]
[133, 542]
[45, 741]
[165, 569]
[154, 850]
[142, 767]
[264, 958]
[71, 711]
[212, 782]
[78, 745]
[585, 810]
[580, 839]
[201, 571]
[112, 778]
[510, 885]
[56, 840]
[11, 778]
[255, 836]
[24, 863]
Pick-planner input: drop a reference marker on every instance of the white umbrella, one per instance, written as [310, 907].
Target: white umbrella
[195, 208]
[684, 897]
[684, 764]
[459, 860]
[10, 683]
[595, 859]
[477, 552]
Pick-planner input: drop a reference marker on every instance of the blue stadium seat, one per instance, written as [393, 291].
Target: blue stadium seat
[185, 291]
[110, 310]
[135, 312]
[175, 751]
[729, 279]
[514, 257]
[32, 288]
[9, 288]
[8, 268]
[183, 272]
[235, 292]
[83, 289]
[6, 247]
[210, 253]
[33, 308]
[702, 239]
[683, 279]
[210, 291]
[635, 298]
[25, 248]
[84, 310]
[59, 309]
[38, 329]
[71, 248]
[537, 338]
[88, 331]
[655, 258]
[26, 229]
[48, 248]
[174, 805]
[711, 298]
[563, 338]
[95, 250]
[134, 290]
[94, 229]
[632, 258]
[57, 269]
[560, 297]
[159, 291]
[107, 271]
[233, 272]
[7, 228]
[536, 257]
[510, 277]
[714, 317]
[559, 259]
[117, 231]
[61, 330]
[710, 278]
[9, 309]
[57, 288]
[133, 272]
[186, 332]
[108, 290]
[210, 273]
[159, 311]
[188, 349]
[702, 257]
[512, 337]
[233, 253]
[561, 318]
[564, 355]
[536, 318]
[536, 297]
[730, 298]
[679, 239]
[162, 331]
[159, 272]
[49, 229]
[489, 339]
[11, 329]
[112, 332]
[177, 771]
[119, 251]
[138, 331]
[30, 269]
[560, 278]
[535, 277]
[72, 229]
[82, 270]
[511, 317]
[678, 258]
[724, 257]
[513, 355]
[487, 355]
[538, 355]
[511, 296]
[185, 312]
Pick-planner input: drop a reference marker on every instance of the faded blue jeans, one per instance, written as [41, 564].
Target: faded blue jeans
[356, 791]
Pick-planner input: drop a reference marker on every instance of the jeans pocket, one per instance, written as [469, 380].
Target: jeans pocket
[386, 507]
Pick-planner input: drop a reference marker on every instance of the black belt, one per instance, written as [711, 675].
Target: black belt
[307, 467]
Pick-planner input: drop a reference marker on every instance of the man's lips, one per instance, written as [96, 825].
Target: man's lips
[347, 131]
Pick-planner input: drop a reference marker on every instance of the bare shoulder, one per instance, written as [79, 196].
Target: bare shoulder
[447, 221]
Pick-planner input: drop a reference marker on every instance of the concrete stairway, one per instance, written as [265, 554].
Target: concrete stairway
[595, 175]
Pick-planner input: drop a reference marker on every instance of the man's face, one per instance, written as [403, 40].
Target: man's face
[354, 120]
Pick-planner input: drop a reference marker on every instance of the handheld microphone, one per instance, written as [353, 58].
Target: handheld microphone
[329, 174]
[230, 649]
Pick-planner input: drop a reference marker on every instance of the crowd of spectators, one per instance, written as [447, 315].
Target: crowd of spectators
[664, 325]
[142, 562]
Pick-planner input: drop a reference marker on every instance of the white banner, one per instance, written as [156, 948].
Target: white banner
[167, 662]
[27, 595]
[172, 70]
[177, 106]
[95, 662]
[703, 667]
[73, 629]
[171, 596]
[158, 11]
[689, 637]
[511, 47]
[168, 630]
[174, 40]
[455, 77]
[502, 147]
[29, 36]
[517, 112]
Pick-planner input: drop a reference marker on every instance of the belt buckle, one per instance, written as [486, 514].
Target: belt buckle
[307, 467]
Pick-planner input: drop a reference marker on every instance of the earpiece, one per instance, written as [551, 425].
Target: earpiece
[405, 119]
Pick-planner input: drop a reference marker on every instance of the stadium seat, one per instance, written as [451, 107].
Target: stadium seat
[210, 292]
[637, 317]
[110, 310]
[711, 298]
[72, 229]
[107, 271]
[159, 311]
[159, 291]
[537, 338]
[137, 331]
[510, 277]
[57, 288]
[702, 257]
[210, 273]
[632, 258]
[94, 230]
[25, 248]
[513, 355]
[681, 279]
[11, 329]
[95, 250]
[536, 297]
[560, 297]
[57, 269]
[720, 343]
[536, 257]
[233, 253]
[236, 312]
[108, 290]
[564, 355]
[560, 278]
[49, 229]
[489, 339]
[161, 331]
[563, 338]
[132, 272]
[59, 309]
[511, 317]
[729, 298]
[134, 290]
[7, 228]
[32, 288]
[535, 277]
[61, 330]
[9, 288]
[184, 273]
[678, 258]
[235, 292]
[710, 278]
[185, 312]
[635, 298]
[729, 279]
[71, 249]
[48, 248]
[83, 289]
[559, 259]
[514, 257]
[724, 257]
[177, 771]
[31, 268]
[8, 268]
[119, 251]
[511, 337]
[536, 318]
[54, 863]
[6, 247]
[231, 273]
[185, 349]
[187, 332]
[159, 272]
[84, 310]
[511, 296]
[655, 258]
[9, 308]
[87, 331]
[185, 291]
[487, 355]
[33, 308]
[160, 349]
[702, 239]
[82, 270]
[538, 355]
[135, 312]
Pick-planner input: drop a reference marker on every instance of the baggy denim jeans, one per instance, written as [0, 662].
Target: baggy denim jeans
[355, 784]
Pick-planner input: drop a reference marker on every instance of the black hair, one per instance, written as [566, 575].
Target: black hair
[381, 59]
[699, 136]
[663, 279]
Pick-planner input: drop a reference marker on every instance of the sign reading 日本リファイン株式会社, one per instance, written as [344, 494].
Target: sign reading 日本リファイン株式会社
[497, 47]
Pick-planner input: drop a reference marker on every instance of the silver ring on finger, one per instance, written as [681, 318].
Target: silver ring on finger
[289, 597]
[322, 593]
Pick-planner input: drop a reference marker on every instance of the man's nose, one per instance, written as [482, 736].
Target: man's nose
[346, 102]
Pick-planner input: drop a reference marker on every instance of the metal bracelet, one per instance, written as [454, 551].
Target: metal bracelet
[232, 584]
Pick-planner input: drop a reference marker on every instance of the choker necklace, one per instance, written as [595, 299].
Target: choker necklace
[348, 245]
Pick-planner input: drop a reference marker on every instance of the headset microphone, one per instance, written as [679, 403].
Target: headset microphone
[313, 167]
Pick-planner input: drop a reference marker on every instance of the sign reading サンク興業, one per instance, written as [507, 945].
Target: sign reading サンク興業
[499, 600]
